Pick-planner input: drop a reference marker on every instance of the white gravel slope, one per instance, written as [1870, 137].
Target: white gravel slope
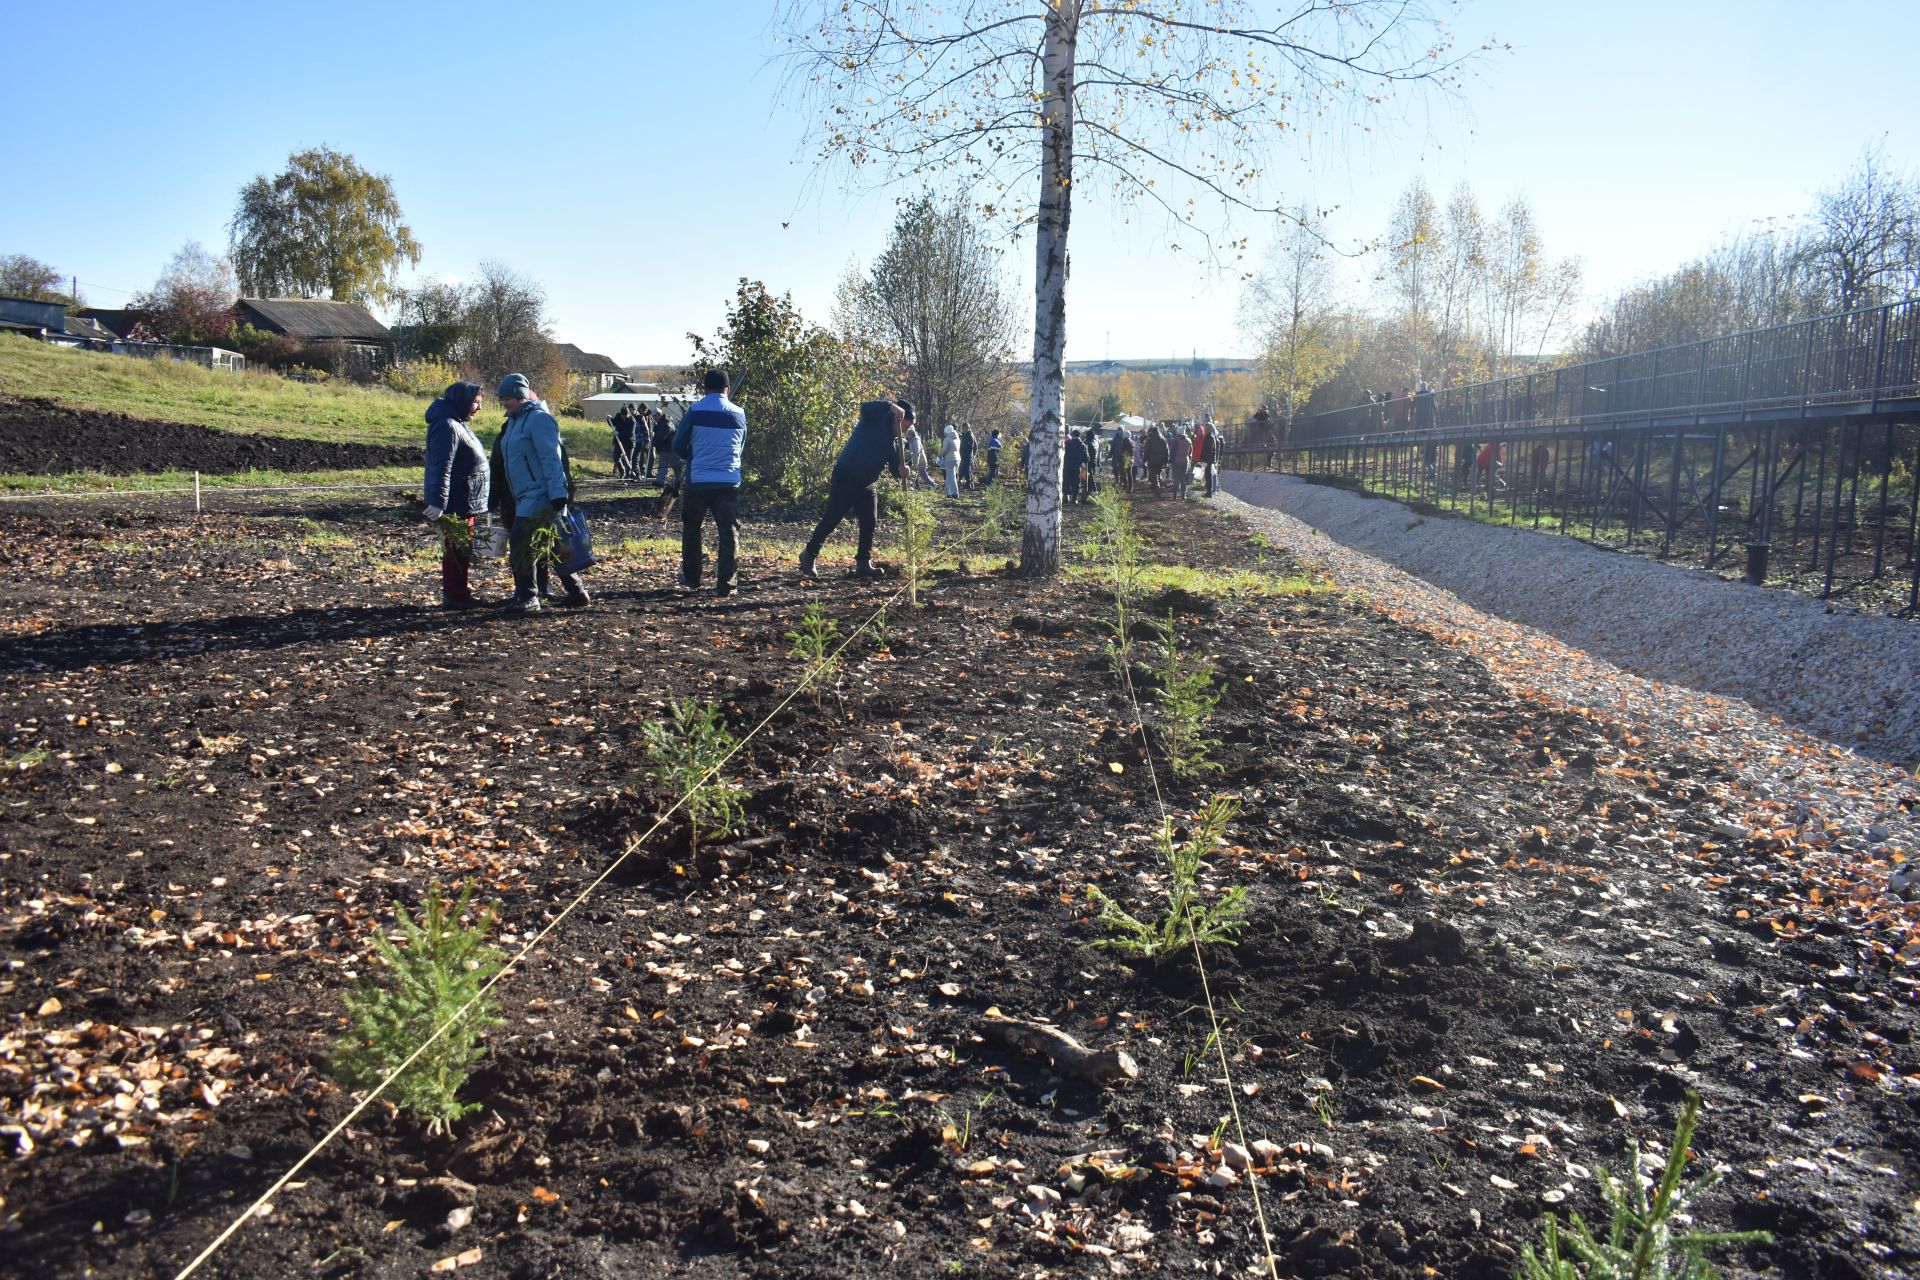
[1636, 641]
[1849, 678]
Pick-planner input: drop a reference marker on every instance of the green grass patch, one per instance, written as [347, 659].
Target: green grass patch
[251, 403]
[1156, 578]
[161, 481]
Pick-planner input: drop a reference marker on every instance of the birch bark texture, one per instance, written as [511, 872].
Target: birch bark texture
[1173, 107]
[1040, 537]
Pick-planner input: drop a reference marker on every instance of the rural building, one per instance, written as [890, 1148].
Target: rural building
[594, 372]
[363, 345]
[49, 322]
[46, 321]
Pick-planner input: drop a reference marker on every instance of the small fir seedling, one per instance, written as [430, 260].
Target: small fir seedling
[544, 546]
[1003, 503]
[1189, 919]
[433, 980]
[456, 537]
[814, 644]
[917, 519]
[1643, 1240]
[877, 629]
[681, 751]
[1112, 542]
[1187, 701]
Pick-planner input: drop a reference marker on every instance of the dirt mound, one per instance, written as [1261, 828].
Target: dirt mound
[40, 437]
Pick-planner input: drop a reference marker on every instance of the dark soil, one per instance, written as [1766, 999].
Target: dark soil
[1490, 941]
[41, 437]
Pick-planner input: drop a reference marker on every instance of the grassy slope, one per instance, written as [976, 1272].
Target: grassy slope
[251, 403]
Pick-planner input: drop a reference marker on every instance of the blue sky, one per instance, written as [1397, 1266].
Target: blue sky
[633, 157]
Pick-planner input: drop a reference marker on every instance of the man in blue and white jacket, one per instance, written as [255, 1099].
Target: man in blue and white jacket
[712, 438]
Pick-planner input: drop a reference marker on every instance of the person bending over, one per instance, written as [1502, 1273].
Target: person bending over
[873, 448]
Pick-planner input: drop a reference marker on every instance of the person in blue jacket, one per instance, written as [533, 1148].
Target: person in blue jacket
[535, 474]
[711, 439]
[456, 486]
[875, 446]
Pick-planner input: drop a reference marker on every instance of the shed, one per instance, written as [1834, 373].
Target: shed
[597, 371]
[316, 321]
[601, 408]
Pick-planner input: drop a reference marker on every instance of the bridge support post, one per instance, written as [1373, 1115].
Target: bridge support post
[1880, 525]
[1713, 496]
[1673, 492]
[1819, 502]
[1839, 486]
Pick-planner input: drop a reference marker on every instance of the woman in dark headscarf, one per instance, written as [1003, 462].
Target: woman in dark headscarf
[456, 486]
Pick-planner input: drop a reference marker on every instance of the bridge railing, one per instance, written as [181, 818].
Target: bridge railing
[1854, 358]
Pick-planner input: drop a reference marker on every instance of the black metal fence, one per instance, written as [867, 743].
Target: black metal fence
[1790, 451]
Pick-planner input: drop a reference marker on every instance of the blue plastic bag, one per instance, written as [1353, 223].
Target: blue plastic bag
[576, 543]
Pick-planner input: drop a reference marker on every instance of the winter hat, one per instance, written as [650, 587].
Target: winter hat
[515, 384]
[906, 407]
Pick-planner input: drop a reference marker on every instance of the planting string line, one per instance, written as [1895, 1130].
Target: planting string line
[57, 494]
[1200, 965]
[579, 899]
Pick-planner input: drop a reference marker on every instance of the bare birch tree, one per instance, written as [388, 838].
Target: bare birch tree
[1169, 101]
[938, 296]
[1866, 245]
[1294, 311]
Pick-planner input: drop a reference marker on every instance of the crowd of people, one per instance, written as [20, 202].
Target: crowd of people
[527, 481]
[1172, 453]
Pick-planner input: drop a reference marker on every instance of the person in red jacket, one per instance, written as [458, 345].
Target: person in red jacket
[1488, 462]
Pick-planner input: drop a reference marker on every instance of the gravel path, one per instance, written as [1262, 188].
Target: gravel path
[1550, 607]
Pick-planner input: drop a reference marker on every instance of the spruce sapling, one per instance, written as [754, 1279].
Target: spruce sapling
[427, 982]
[1188, 920]
[681, 750]
[1187, 701]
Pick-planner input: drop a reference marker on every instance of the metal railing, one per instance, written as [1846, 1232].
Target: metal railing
[1800, 442]
[1864, 362]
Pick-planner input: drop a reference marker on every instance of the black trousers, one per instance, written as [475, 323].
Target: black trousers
[863, 502]
[725, 506]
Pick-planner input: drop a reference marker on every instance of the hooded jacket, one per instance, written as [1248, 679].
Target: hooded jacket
[456, 478]
[871, 449]
[530, 454]
[950, 447]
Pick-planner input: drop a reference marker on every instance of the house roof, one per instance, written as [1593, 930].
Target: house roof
[118, 321]
[579, 361]
[88, 327]
[316, 318]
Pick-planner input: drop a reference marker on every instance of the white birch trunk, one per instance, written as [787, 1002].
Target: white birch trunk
[1040, 542]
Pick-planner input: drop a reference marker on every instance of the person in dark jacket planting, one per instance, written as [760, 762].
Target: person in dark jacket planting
[711, 439]
[874, 447]
[456, 486]
[535, 473]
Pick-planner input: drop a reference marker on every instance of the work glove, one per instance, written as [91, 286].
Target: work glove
[434, 513]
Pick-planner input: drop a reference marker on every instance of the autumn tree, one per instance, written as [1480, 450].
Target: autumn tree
[1292, 309]
[324, 227]
[938, 296]
[192, 301]
[503, 326]
[26, 277]
[1167, 102]
[428, 319]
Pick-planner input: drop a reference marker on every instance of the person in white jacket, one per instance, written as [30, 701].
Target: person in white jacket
[917, 455]
[950, 459]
